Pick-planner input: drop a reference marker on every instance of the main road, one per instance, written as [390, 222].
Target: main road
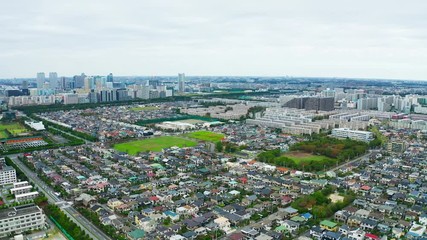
[71, 212]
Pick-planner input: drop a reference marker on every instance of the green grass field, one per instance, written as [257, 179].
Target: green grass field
[3, 134]
[153, 144]
[299, 157]
[206, 136]
[148, 108]
[13, 128]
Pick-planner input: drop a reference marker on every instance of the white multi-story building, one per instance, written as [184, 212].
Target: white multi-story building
[7, 174]
[409, 124]
[21, 190]
[367, 103]
[53, 80]
[40, 80]
[26, 196]
[71, 98]
[20, 184]
[364, 136]
[20, 219]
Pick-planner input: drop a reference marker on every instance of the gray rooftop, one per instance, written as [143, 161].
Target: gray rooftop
[19, 211]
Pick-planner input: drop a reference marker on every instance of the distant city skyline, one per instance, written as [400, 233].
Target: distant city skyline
[368, 39]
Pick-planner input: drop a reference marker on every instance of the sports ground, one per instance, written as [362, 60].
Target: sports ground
[153, 144]
[13, 128]
[206, 136]
[300, 157]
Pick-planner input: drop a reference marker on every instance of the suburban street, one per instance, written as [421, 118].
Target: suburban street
[68, 209]
[350, 162]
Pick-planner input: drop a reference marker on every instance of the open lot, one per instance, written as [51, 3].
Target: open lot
[14, 128]
[153, 144]
[206, 136]
[300, 157]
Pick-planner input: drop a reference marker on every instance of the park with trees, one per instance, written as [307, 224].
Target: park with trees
[316, 154]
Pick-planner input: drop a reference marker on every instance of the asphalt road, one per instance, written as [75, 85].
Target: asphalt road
[72, 213]
[350, 162]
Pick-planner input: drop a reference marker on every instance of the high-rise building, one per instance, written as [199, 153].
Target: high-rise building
[24, 84]
[53, 80]
[181, 82]
[107, 95]
[110, 78]
[40, 80]
[122, 94]
[154, 83]
[24, 89]
[89, 83]
[100, 82]
[328, 93]
[312, 103]
[367, 103]
[79, 81]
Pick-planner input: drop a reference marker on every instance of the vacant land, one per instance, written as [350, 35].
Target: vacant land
[206, 136]
[300, 157]
[153, 144]
[13, 128]
[147, 108]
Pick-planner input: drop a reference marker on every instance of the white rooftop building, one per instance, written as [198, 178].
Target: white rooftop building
[38, 126]
[364, 136]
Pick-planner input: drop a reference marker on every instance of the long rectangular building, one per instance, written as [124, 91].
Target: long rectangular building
[19, 219]
[364, 136]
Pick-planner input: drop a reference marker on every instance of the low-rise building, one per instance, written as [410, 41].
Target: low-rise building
[26, 196]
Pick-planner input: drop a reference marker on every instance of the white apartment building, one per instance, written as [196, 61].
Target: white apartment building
[7, 174]
[20, 184]
[410, 124]
[364, 136]
[71, 98]
[20, 190]
[20, 219]
[26, 196]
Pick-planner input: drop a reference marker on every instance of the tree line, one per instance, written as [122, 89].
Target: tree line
[341, 149]
[64, 221]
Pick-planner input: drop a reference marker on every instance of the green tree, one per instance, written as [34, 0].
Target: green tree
[219, 146]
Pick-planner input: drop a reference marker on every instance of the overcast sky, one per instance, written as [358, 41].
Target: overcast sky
[330, 38]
